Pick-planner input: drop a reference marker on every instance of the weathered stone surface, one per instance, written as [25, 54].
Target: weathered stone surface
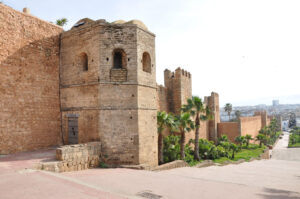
[75, 158]
[115, 105]
[205, 163]
[29, 87]
[171, 165]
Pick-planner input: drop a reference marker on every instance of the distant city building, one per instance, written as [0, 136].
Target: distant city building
[275, 102]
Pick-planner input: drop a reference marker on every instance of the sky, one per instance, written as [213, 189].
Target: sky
[248, 51]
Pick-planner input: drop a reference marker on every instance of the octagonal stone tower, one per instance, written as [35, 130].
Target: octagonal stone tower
[108, 89]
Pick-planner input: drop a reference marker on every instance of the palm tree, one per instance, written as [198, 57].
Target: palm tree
[261, 138]
[248, 138]
[223, 138]
[237, 114]
[234, 149]
[228, 109]
[240, 140]
[163, 120]
[61, 22]
[197, 108]
[185, 124]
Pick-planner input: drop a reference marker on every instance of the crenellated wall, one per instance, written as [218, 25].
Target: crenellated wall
[177, 89]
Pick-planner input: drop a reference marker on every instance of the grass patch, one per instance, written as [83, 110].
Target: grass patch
[294, 145]
[245, 154]
[193, 163]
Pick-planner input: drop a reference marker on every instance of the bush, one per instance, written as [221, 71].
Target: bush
[294, 140]
[171, 148]
[208, 150]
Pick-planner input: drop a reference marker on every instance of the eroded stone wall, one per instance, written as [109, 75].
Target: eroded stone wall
[250, 125]
[120, 99]
[75, 158]
[29, 87]
[231, 129]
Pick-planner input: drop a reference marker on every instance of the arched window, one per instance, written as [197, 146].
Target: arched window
[146, 62]
[83, 61]
[119, 60]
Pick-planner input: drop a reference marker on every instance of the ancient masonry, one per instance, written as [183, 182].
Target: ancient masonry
[93, 83]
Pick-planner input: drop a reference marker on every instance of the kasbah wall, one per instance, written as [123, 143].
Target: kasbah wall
[29, 87]
[95, 82]
[245, 125]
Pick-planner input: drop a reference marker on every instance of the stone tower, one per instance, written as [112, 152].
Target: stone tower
[213, 103]
[179, 85]
[108, 89]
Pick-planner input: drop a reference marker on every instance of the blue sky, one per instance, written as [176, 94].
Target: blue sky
[246, 50]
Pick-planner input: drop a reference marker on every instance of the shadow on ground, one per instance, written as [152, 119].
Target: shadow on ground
[279, 194]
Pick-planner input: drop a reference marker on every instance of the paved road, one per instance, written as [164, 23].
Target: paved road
[264, 179]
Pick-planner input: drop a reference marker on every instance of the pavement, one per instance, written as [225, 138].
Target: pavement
[281, 152]
[277, 178]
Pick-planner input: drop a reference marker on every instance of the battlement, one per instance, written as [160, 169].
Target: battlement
[179, 73]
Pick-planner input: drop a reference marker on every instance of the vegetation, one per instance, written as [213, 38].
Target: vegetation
[261, 138]
[292, 120]
[245, 154]
[185, 124]
[294, 140]
[164, 120]
[223, 151]
[240, 140]
[237, 114]
[197, 109]
[228, 109]
[173, 147]
[269, 134]
[61, 22]
[248, 138]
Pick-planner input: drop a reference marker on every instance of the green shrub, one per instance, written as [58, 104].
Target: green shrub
[171, 148]
[103, 165]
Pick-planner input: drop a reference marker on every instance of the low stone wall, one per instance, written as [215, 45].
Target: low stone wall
[171, 165]
[75, 157]
[265, 154]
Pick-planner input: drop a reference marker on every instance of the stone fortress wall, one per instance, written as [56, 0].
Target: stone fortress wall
[245, 125]
[29, 87]
[174, 94]
[114, 104]
[93, 83]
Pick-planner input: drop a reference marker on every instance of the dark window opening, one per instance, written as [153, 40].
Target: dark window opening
[146, 62]
[119, 58]
[83, 61]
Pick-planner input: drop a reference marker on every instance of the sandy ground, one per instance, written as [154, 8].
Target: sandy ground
[277, 178]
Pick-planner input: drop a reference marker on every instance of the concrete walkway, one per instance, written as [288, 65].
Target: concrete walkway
[264, 179]
[281, 152]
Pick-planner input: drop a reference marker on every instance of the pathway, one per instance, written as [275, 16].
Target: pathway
[277, 178]
[281, 152]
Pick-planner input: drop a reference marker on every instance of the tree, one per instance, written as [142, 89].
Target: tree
[265, 131]
[185, 124]
[164, 120]
[273, 125]
[261, 138]
[237, 114]
[240, 140]
[228, 109]
[248, 138]
[292, 120]
[223, 138]
[197, 109]
[61, 22]
[234, 149]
